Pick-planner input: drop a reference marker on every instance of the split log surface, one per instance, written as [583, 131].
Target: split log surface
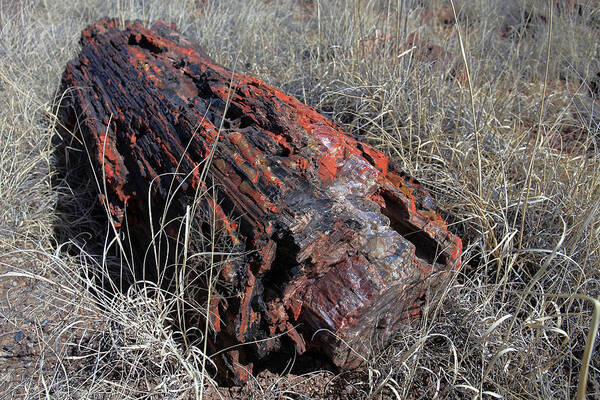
[339, 246]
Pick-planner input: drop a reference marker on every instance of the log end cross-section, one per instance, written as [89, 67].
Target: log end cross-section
[340, 247]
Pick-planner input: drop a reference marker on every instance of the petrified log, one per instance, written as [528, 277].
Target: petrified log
[340, 247]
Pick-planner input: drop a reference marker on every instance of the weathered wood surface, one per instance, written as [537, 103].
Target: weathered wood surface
[340, 247]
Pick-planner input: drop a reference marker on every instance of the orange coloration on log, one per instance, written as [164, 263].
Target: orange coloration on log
[334, 245]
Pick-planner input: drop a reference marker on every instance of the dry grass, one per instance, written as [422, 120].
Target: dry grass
[514, 167]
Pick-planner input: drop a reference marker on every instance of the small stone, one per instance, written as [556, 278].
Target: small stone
[19, 336]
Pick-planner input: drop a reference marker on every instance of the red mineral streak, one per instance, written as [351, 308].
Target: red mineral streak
[331, 238]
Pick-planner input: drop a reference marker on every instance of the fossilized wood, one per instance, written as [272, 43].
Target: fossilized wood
[340, 247]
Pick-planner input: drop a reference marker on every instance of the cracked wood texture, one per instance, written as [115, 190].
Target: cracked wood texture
[339, 247]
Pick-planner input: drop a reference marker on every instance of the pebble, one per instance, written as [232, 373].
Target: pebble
[19, 336]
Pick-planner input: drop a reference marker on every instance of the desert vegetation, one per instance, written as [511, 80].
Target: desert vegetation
[491, 105]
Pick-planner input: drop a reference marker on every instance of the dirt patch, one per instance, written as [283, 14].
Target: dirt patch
[37, 329]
